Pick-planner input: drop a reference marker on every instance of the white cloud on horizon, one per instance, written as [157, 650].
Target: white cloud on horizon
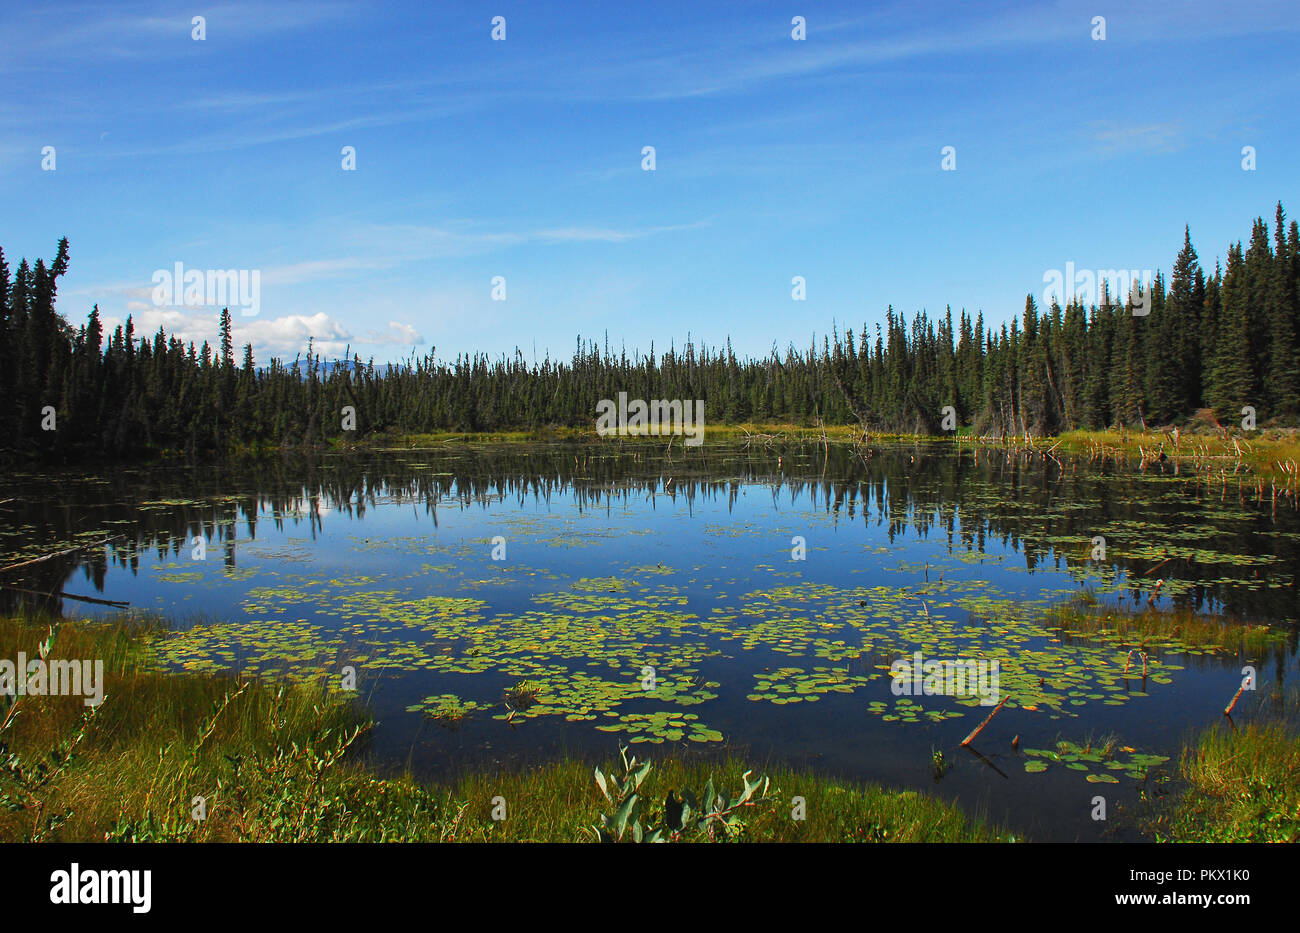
[283, 337]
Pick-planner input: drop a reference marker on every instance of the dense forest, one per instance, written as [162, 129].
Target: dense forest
[1219, 341]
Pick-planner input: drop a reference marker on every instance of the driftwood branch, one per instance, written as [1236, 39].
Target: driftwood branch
[978, 729]
[1237, 696]
[116, 603]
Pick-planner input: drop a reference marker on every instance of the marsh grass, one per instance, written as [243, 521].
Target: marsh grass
[1158, 627]
[563, 803]
[156, 741]
[1243, 786]
[790, 432]
[1270, 455]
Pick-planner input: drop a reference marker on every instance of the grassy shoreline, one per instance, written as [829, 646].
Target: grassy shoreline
[276, 762]
[1271, 455]
[1266, 456]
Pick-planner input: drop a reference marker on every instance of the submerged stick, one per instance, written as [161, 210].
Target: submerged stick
[1159, 565]
[116, 603]
[985, 760]
[970, 738]
[1237, 696]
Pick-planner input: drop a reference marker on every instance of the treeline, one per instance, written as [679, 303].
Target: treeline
[1221, 341]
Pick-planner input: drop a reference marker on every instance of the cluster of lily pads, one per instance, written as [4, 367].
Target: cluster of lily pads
[1101, 765]
[796, 684]
[907, 710]
[662, 726]
[295, 650]
[446, 708]
[953, 619]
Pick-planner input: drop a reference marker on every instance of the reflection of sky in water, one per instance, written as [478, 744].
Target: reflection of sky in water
[708, 542]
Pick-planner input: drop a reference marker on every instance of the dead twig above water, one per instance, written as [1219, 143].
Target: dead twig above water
[1245, 685]
[978, 729]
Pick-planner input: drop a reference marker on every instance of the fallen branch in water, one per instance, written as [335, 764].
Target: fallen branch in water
[970, 738]
[115, 603]
[1237, 696]
[1159, 565]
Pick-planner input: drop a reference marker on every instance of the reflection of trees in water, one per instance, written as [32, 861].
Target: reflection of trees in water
[973, 497]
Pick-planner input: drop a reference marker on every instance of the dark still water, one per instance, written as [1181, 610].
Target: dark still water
[723, 598]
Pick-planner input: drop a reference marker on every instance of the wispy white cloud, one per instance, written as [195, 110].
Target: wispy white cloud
[704, 64]
[283, 336]
[143, 30]
[278, 130]
[413, 242]
[317, 269]
[1114, 138]
[378, 247]
[397, 333]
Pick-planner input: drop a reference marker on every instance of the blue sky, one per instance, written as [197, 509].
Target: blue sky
[523, 159]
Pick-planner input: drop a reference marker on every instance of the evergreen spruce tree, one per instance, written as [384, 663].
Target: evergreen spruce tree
[1283, 375]
[1233, 384]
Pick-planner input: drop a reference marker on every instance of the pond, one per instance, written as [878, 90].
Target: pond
[732, 598]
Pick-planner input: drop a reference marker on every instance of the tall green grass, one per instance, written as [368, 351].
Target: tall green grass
[1271, 455]
[1087, 619]
[1243, 786]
